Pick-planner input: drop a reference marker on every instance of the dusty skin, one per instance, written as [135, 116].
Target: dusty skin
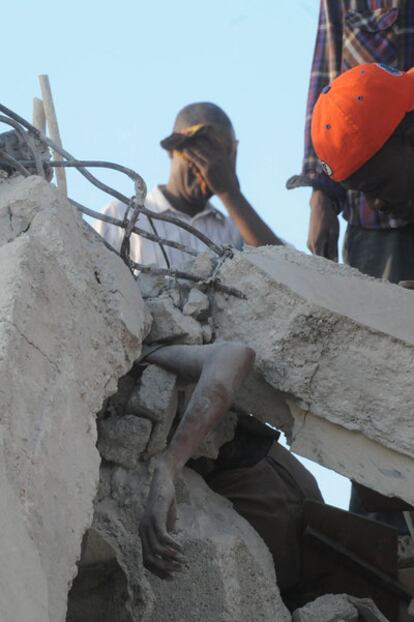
[220, 369]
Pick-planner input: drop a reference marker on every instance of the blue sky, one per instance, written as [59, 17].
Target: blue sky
[121, 70]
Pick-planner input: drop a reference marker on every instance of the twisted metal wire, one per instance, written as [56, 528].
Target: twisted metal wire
[145, 234]
[135, 206]
[28, 139]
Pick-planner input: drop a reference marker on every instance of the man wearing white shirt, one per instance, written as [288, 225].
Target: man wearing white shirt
[203, 150]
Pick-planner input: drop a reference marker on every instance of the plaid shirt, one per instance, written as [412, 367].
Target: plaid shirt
[351, 32]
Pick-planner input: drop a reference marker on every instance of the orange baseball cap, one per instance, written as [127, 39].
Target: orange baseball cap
[356, 115]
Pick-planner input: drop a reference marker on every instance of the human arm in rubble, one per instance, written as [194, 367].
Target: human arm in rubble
[219, 370]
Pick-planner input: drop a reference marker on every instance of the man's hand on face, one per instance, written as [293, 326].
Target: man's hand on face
[216, 165]
[161, 553]
[323, 227]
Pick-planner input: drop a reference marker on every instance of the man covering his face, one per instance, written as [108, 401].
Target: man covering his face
[202, 150]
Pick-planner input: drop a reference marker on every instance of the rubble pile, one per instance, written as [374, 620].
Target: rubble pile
[70, 324]
[230, 574]
[338, 608]
[334, 360]
[82, 417]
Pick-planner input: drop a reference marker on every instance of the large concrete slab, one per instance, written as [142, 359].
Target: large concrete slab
[335, 358]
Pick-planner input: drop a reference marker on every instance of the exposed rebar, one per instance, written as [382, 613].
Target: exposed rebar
[134, 206]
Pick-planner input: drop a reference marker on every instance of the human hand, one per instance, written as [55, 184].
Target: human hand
[161, 553]
[323, 227]
[216, 164]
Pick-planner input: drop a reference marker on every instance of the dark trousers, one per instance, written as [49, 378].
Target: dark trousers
[270, 496]
[385, 254]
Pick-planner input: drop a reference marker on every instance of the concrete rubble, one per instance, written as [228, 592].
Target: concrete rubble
[329, 608]
[73, 322]
[229, 576]
[171, 323]
[123, 439]
[227, 560]
[229, 564]
[155, 397]
[197, 304]
[339, 608]
[66, 334]
[335, 354]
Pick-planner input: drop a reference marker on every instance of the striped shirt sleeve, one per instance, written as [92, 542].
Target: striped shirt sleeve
[326, 65]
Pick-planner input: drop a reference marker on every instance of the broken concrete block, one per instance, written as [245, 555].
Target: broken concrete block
[71, 323]
[328, 608]
[258, 397]
[338, 348]
[207, 332]
[230, 574]
[86, 605]
[175, 295]
[95, 549]
[367, 609]
[197, 305]
[151, 285]
[227, 561]
[202, 265]
[111, 583]
[155, 397]
[117, 404]
[123, 439]
[170, 323]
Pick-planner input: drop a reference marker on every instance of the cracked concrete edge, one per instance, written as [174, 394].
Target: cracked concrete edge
[352, 454]
[303, 359]
[55, 316]
[30, 343]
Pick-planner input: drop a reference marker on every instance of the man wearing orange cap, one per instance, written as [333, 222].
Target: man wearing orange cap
[363, 134]
[351, 32]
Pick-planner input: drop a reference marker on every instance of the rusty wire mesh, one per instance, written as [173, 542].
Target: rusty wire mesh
[32, 138]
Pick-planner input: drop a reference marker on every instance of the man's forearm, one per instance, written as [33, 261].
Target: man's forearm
[223, 367]
[220, 369]
[251, 227]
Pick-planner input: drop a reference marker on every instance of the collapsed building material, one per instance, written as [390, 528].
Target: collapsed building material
[72, 324]
[339, 608]
[123, 440]
[67, 332]
[229, 564]
[335, 353]
[170, 322]
[226, 559]
[329, 608]
[229, 575]
[197, 304]
[155, 398]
